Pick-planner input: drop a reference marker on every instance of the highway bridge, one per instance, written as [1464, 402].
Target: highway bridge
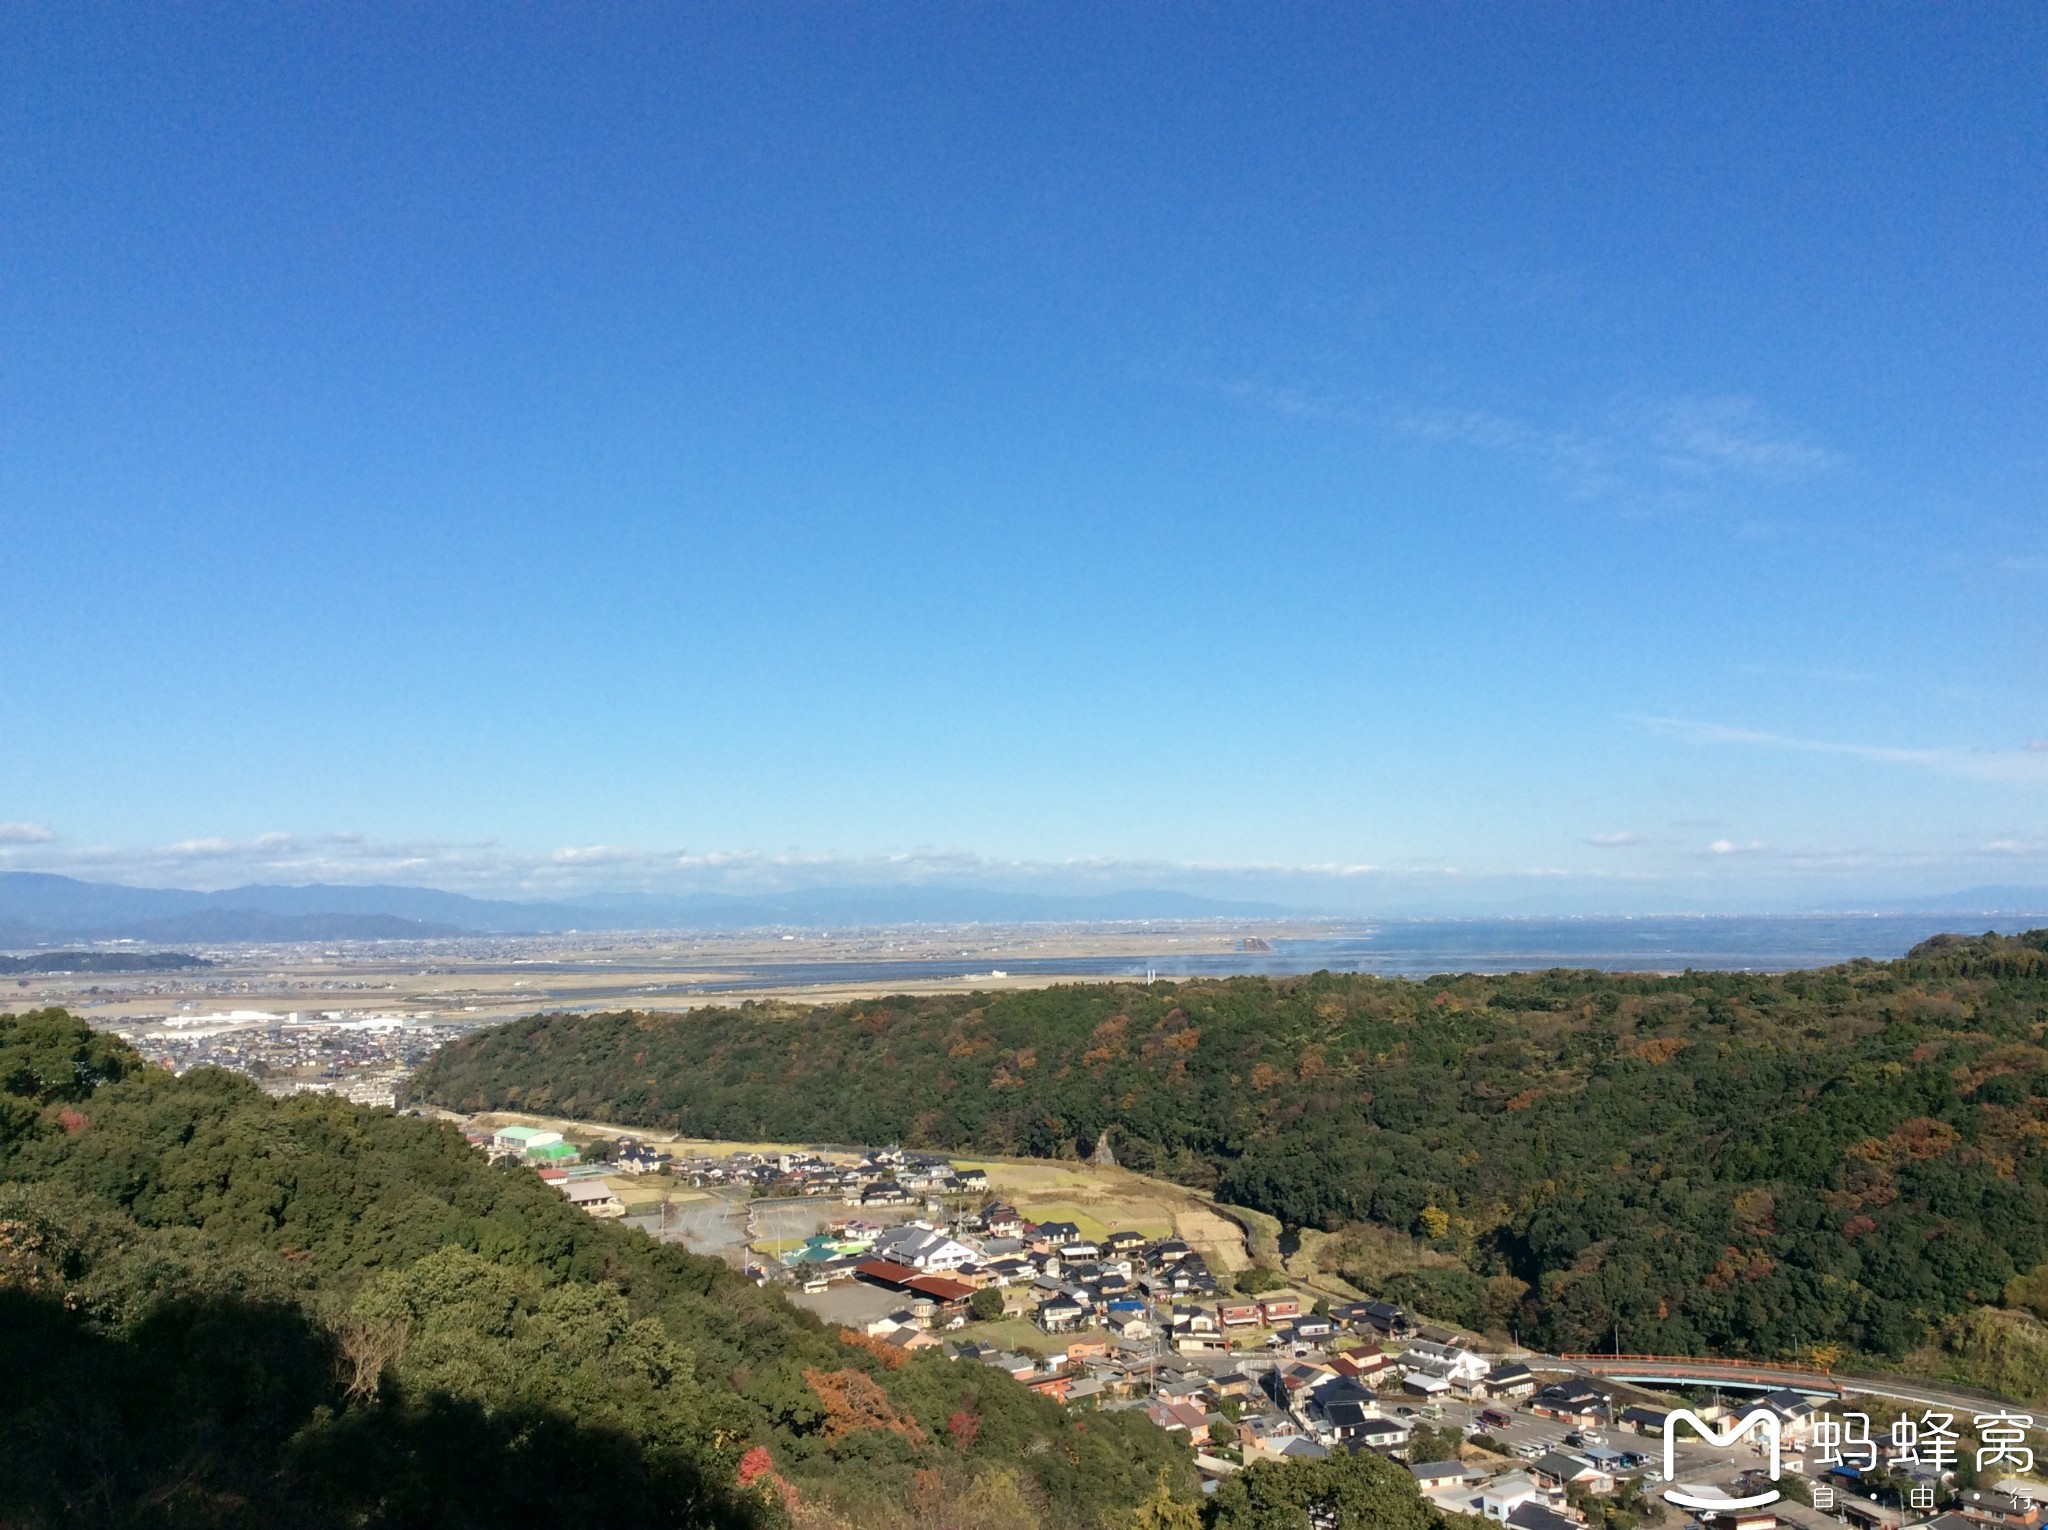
[1692, 1371]
[1770, 1376]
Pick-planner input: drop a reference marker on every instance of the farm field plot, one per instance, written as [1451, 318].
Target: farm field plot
[1099, 1200]
[683, 1146]
[641, 1192]
[1016, 1334]
[1098, 1222]
[1102, 1200]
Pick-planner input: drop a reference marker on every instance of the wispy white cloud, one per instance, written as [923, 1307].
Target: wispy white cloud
[1697, 436]
[1297, 403]
[595, 855]
[1633, 449]
[215, 848]
[2025, 766]
[25, 834]
[487, 868]
[1587, 465]
[1705, 860]
[1475, 427]
[212, 861]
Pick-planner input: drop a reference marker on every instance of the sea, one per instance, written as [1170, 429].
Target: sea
[1418, 948]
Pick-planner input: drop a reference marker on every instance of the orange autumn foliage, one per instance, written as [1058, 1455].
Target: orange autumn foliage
[854, 1401]
[890, 1356]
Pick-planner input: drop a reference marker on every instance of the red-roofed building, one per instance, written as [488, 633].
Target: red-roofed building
[952, 1295]
[939, 1288]
[1362, 1364]
[886, 1272]
[1177, 1415]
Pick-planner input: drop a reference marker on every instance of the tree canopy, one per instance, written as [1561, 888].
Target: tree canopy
[1732, 1161]
[219, 1308]
[1342, 1492]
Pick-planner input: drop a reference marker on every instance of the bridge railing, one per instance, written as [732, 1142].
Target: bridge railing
[1605, 1358]
[1842, 1384]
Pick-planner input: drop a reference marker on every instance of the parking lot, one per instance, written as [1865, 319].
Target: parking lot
[725, 1226]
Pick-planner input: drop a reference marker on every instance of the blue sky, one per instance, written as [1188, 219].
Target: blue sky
[1579, 457]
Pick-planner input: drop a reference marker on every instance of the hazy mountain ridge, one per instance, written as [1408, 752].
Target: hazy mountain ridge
[238, 924]
[39, 907]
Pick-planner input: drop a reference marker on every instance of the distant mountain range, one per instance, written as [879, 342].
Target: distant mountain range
[37, 908]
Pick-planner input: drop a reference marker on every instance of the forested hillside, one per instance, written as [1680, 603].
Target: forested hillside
[221, 1309]
[1840, 1159]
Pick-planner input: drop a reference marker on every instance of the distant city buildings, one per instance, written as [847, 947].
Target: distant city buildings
[363, 1057]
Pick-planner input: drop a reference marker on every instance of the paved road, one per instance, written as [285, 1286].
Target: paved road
[1961, 1398]
[1898, 1388]
[1736, 1375]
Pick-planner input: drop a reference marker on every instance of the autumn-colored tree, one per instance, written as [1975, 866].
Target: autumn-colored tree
[853, 1401]
[1163, 1511]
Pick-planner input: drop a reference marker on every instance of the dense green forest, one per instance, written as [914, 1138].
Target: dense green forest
[1852, 1160]
[217, 1308]
[101, 961]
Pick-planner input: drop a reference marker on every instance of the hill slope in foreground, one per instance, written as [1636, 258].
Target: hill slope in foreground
[217, 1308]
[1852, 1160]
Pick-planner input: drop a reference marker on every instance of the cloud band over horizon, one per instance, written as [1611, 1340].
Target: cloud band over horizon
[1695, 874]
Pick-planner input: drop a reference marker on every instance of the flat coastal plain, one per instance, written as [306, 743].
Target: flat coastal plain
[483, 979]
